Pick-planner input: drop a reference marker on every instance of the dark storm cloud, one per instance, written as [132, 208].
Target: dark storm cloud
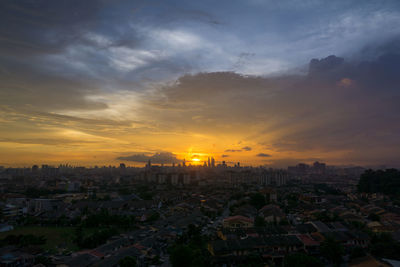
[263, 155]
[339, 106]
[41, 26]
[56, 55]
[33, 37]
[23, 86]
[158, 158]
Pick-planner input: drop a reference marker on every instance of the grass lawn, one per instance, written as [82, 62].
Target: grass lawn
[61, 237]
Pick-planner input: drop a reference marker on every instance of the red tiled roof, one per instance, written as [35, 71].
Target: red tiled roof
[238, 218]
[138, 246]
[307, 240]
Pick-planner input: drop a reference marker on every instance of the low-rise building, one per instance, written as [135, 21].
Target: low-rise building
[238, 221]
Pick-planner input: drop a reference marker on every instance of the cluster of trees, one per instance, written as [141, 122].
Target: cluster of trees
[23, 240]
[128, 261]
[108, 224]
[258, 200]
[380, 181]
[302, 260]
[332, 250]
[237, 196]
[259, 222]
[144, 192]
[153, 217]
[384, 246]
[42, 260]
[33, 192]
[60, 221]
[100, 219]
[321, 189]
[326, 216]
[94, 239]
[190, 249]
[292, 202]
[208, 213]
[252, 260]
[103, 218]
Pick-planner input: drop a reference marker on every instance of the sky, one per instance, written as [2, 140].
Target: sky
[258, 81]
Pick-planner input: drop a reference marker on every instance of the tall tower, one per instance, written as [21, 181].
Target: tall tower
[209, 163]
[212, 162]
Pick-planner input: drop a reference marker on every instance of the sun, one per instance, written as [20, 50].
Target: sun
[195, 158]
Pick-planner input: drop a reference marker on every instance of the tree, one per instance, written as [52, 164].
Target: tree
[332, 250]
[301, 260]
[380, 181]
[257, 200]
[253, 260]
[181, 256]
[95, 239]
[42, 260]
[374, 217]
[128, 261]
[384, 246]
[190, 249]
[79, 235]
[259, 222]
[23, 240]
[357, 252]
[153, 217]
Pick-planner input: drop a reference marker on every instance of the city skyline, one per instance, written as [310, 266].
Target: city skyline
[257, 82]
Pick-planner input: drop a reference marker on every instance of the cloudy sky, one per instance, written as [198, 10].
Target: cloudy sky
[256, 81]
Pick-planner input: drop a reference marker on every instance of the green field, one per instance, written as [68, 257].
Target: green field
[56, 237]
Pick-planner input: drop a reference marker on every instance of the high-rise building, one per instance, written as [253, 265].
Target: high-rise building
[35, 168]
[212, 162]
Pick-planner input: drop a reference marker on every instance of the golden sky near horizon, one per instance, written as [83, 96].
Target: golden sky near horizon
[184, 119]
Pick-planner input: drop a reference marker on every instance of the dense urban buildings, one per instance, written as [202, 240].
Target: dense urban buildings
[220, 215]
